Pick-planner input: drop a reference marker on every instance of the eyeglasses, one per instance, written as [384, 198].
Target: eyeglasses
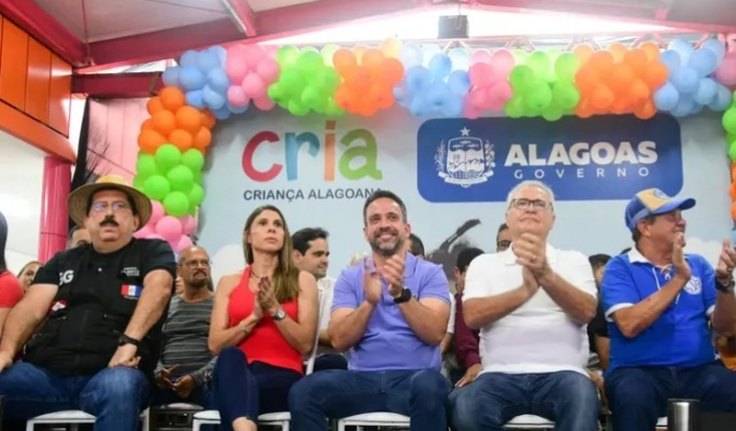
[503, 244]
[103, 207]
[524, 204]
[191, 264]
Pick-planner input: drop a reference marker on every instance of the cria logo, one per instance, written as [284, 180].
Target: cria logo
[605, 157]
[358, 160]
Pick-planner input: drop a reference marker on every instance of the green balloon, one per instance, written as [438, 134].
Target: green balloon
[520, 56]
[193, 159]
[514, 108]
[729, 120]
[328, 51]
[145, 166]
[167, 156]
[539, 62]
[537, 98]
[332, 110]
[566, 66]
[565, 95]
[291, 82]
[275, 92]
[732, 151]
[197, 177]
[297, 108]
[521, 77]
[181, 178]
[176, 204]
[329, 79]
[552, 113]
[310, 62]
[286, 56]
[156, 187]
[139, 183]
[196, 195]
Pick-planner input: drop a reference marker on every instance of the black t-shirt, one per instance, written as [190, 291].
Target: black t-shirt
[598, 326]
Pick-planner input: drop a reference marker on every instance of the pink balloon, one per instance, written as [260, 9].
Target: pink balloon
[268, 69]
[157, 211]
[480, 56]
[476, 98]
[503, 62]
[144, 231]
[156, 236]
[236, 69]
[188, 224]
[271, 50]
[501, 91]
[264, 103]
[253, 54]
[237, 97]
[470, 112]
[253, 86]
[183, 243]
[480, 74]
[726, 73]
[169, 228]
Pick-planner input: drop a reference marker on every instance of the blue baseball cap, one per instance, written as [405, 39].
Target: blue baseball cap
[651, 202]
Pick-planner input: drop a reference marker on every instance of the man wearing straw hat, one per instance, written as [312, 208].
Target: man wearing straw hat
[98, 309]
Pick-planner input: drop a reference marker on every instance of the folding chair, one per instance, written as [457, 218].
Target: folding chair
[279, 419]
[529, 422]
[74, 418]
[375, 419]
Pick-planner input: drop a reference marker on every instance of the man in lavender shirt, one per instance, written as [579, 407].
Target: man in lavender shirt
[390, 311]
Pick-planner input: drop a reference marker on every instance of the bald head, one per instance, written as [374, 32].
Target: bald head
[194, 267]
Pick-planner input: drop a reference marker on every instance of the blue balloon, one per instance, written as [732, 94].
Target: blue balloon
[207, 60]
[460, 59]
[221, 114]
[220, 52]
[722, 100]
[437, 96]
[671, 59]
[459, 82]
[217, 80]
[683, 48]
[194, 98]
[402, 94]
[704, 61]
[706, 92]
[715, 46]
[213, 99]
[684, 107]
[410, 55]
[171, 76]
[189, 58]
[429, 51]
[733, 236]
[417, 78]
[667, 97]
[686, 80]
[190, 78]
[440, 66]
[237, 109]
[418, 106]
[453, 107]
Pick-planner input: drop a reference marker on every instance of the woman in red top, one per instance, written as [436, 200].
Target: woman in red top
[10, 289]
[264, 321]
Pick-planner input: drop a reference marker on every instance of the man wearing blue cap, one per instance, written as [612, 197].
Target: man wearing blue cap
[661, 301]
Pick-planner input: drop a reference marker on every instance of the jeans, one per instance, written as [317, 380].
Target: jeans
[245, 391]
[115, 396]
[201, 396]
[637, 396]
[330, 361]
[419, 394]
[568, 398]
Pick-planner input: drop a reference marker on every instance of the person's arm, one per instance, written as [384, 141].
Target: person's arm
[603, 347]
[25, 317]
[347, 325]
[466, 342]
[427, 317]
[324, 314]
[450, 333]
[204, 374]
[578, 304]
[223, 335]
[152, 303]
[11, 292]
[300, 333]
[353, 306]
[724, 313]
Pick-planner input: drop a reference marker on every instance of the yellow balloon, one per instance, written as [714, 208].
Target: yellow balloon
[391, 47]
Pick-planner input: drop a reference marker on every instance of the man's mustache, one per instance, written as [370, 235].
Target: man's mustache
[109, 221]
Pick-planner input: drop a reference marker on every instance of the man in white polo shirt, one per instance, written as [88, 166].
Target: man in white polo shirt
[531, 303]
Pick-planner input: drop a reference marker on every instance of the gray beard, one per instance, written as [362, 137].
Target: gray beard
[386, 252]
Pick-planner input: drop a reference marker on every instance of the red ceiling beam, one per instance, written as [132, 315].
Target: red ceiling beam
[159, 45]
[39, 24]
[241, 10]
[117, 85]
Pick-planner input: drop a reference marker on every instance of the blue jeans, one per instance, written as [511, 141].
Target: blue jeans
[115, 396]
[568, 398]
[637, 396]
[419, 394]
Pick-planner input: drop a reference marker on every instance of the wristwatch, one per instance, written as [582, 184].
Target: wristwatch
[280, 314]
[124, 339]
[404, 297]
[726, 288]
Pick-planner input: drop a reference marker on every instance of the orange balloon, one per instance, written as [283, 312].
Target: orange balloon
[372, 59]
[732, 191]
[181, 139]
[646, 110]
[172, 98]
[586, 78]
[620, 106]
[164, 122]
[620, 77]
[733, 211]
[639, 92]
[651, 50]
[154, 105]
[602, 61]
[733, 172]
[583, 53]
[602, 98]
[189, 119]
[655, 75]
[148, 124]
[637, 60]
[359, 51]
[202, 139]
[391, 47]
[392, 71]
[344, 59]
[149, 140]
[208, 120]
[584, 110]
[618, 51]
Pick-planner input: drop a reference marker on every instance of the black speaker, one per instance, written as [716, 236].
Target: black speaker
[453, 27]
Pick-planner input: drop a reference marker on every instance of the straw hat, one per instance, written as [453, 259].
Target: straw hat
[80, 198]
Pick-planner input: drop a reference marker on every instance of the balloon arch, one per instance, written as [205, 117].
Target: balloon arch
[218, 82]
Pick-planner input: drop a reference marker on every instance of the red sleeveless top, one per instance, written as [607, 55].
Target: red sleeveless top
[265, 342]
